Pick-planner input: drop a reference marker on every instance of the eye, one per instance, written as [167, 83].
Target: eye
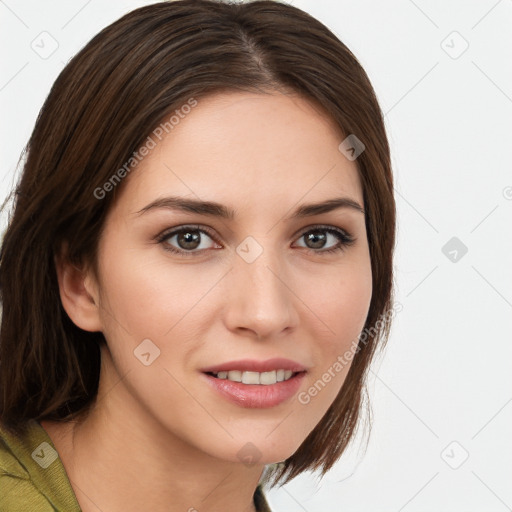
[318, 237]
[188, 238]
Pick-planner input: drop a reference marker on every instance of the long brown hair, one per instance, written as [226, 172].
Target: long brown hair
[100, 110]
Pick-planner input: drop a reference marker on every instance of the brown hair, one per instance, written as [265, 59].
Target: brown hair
[101, 108]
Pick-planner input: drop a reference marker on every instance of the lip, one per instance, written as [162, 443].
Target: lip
[256, 396]
[252, 365]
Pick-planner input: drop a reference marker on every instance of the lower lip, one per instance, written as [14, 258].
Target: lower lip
[257, 396]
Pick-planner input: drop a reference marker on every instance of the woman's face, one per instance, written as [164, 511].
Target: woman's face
[240, 291]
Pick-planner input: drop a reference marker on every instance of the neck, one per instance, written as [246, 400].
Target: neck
[117, 460]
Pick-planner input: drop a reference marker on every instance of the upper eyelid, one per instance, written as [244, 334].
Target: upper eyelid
[167, 233]
[210, 231]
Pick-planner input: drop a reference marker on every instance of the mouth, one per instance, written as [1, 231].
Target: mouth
[255, 378]
[256, 384]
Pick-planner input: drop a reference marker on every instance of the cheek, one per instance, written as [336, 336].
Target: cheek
[149, 296]
[350, 309]
[342, 306]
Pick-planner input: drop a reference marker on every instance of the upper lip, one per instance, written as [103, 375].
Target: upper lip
[253, 365]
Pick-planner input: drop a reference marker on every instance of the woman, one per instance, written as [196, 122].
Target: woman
[198, 266]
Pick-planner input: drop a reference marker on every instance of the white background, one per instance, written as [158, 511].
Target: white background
[442, 389]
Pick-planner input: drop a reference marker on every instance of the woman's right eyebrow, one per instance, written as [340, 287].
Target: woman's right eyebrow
[214, 209]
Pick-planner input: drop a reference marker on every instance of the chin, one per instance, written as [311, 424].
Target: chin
[263, 449]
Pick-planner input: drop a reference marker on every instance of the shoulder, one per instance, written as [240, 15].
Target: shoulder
[21, 494]
[32, 477]
[18, 492]
[10, 463]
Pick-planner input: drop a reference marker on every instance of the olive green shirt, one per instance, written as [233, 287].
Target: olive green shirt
[33, 478]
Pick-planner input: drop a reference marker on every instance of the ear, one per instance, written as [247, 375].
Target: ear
[78, 293]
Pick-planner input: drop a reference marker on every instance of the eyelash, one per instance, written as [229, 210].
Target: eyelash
[345, 239]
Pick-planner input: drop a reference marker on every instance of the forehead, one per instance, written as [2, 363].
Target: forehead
[243, 148]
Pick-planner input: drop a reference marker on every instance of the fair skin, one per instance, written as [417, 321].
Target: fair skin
[158, 437]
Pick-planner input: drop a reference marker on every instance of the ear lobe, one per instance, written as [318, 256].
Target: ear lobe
[78, 295]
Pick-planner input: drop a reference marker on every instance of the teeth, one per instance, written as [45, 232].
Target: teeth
[251, 378]
[234, 375]
[264, 378]
[268, 377]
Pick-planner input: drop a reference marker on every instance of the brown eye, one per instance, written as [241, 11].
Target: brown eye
[320, 237]
[187, 240]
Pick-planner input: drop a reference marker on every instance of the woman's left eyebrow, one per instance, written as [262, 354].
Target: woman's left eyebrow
[214, 209]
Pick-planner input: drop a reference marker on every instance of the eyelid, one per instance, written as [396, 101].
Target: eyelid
[326, 227]
[168, 233]
[345, 238]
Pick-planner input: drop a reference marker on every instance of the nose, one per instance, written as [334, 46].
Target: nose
[260, 297]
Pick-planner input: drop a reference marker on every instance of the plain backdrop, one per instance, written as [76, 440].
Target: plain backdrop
[441, 392]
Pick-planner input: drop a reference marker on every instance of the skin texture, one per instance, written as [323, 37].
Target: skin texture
[160, 428]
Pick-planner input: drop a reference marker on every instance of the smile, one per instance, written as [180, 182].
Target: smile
[262, 378]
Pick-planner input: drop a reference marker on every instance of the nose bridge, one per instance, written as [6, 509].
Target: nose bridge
[262, 301]
[258, 266]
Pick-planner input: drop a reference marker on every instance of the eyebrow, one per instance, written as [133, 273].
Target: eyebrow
[213, 209]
